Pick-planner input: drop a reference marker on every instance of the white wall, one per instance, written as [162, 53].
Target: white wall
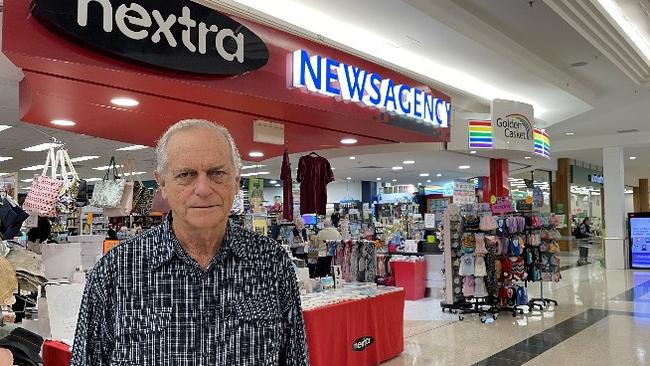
[336, 191]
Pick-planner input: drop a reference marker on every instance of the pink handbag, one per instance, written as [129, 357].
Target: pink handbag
[159, 203]
[44, 193]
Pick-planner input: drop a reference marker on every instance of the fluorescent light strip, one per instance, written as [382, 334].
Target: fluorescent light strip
[132, 148]
[42, 147]
[83, 158]
[4, 127]
[106, 167]
[252, 167]
[5, 158]
[33, 168]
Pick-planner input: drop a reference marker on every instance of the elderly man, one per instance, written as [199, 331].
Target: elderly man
[197, 290]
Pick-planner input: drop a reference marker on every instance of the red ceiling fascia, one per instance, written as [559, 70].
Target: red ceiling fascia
[63, 70]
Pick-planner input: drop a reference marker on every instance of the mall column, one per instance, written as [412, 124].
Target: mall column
[643, 195]
[499, 174]
[614, 240]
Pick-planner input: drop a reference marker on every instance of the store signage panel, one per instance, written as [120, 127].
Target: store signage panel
[512, 125]
[349, 83]
[639, 240]
[176, 35]
[502, 205]
[480, 134]
[542, 143]
[464, 193]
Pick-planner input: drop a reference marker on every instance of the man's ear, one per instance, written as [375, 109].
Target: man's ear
[161, 181]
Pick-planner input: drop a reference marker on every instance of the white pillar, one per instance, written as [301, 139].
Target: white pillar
[614, 173]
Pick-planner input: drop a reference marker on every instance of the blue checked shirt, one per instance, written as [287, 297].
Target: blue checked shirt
[148, 303]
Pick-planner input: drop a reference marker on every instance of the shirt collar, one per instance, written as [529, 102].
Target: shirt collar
[170, 246]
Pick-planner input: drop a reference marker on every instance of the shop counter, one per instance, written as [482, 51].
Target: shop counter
[361, 332]
[412, 277]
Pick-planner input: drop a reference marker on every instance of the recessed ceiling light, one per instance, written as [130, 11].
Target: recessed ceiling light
[378, 178]
[42, 147]
[394, 180]
[106, 167]
[464, 167]
[408, 162]
[63, 122]
[333, 168]
[27, 180]
[263, 173]
[125, 102]
[419, 184]
[438, 175]
[274, 182]
[4, 127]
[352, 157]
[569, 133]
[278, 185]
[256, 154]
[632, 157]
[424, 174]
[397, 168]
[428, 180]
[349, 141]
[84, 158]
[527, 157]
[134, 173]
[94, 179]
[132, 148]
[5, 158]
[473, 152]
[348, 178]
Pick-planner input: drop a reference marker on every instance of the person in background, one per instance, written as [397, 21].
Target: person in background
[327, 234]
[123, 234]
[112, 235]
[39, 234]
[299, 239]
[584, 234]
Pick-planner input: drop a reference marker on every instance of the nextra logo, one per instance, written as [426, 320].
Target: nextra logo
[137, 23]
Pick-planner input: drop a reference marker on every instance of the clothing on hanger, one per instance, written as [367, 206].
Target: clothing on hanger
[314, 174]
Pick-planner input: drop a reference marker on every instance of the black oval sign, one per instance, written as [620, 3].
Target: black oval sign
[362, 343]
[175, 35]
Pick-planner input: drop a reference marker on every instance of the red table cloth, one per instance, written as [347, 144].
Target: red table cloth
[356, 333]
[412, 277]
[363, 332]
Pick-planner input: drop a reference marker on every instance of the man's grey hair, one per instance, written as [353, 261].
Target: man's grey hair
[161, 149]
[327, 223]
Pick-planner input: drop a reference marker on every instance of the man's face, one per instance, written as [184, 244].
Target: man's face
[200, 180]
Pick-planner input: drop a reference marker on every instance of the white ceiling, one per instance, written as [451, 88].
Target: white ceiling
[474, 50]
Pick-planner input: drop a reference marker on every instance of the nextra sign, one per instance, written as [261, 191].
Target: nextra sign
[177, 35]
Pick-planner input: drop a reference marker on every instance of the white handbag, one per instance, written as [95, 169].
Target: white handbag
[108, 193]
[125, 206]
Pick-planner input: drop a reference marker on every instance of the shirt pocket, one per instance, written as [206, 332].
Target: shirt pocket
[142, 337]
[253, 330]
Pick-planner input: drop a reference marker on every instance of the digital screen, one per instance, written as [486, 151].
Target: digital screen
[309, 219]
[640, 242]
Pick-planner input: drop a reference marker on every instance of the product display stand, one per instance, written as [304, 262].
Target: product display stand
[545, 302]
[451, 302]
[549, 239]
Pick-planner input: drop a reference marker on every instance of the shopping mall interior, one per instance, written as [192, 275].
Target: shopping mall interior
[453, 182]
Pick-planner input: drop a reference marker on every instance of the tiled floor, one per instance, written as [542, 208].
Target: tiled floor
[603, 318]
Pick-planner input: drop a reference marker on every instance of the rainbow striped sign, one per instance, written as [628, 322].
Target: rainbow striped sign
[480, 134]
[542, 143]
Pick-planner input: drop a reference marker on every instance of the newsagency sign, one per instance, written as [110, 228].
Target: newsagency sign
[174, 35]
[349, 83]
[512, 125]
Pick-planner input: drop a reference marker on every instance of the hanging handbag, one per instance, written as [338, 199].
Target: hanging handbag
[141, 194]
[82, 196]
[108, 193]
[125, 206]
[43, 195]
[70, 190]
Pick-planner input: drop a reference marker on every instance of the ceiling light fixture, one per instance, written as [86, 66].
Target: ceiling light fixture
[33, 168]
[106, 167]
[397, 168]
[632, 157]
[132, 148]
[394, 180]
[424, 174]
[438, 175]
[94, 179]
[527, 157]
[125, 102]
[252, 167]
[134, 173]
[408, 162]
[4, 127]
[277, 185]
[84, 158]
[256, 154]
[428, 180]
[378, 178]
[473, 152]
[273, 182]
[569, 133]
[349, 141]
[348, 178]
[627, 25]
[63, 122]
[5, 158]
[352, 157]
[42, 147]
[27, 180]
[464, 167]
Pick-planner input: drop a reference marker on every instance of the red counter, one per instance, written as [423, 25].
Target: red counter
[333, 331]
[412, 276]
